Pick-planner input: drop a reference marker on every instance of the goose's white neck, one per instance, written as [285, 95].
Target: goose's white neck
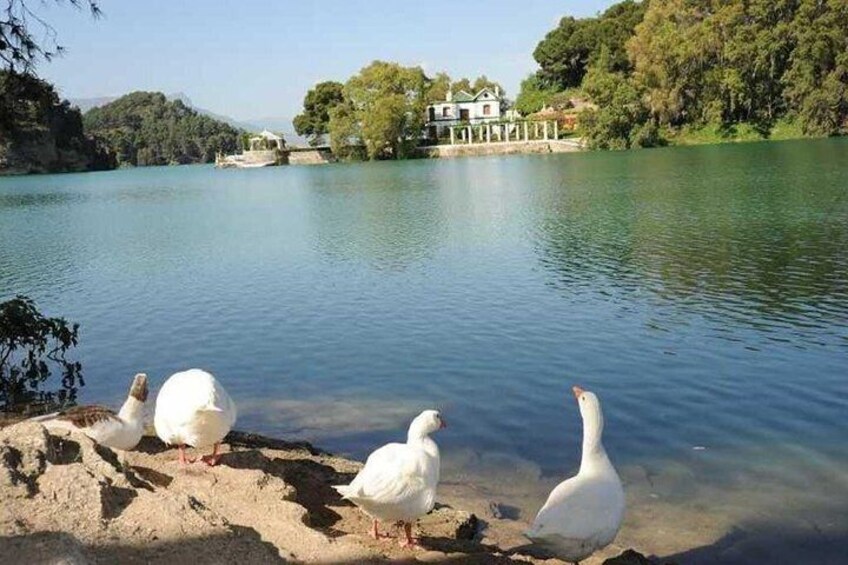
[132, 411]
[420, 438]
[594, 456]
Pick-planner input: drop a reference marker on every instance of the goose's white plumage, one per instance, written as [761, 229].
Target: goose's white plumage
[398, 482]
[584, 513]
[121, 430]
[192, 408]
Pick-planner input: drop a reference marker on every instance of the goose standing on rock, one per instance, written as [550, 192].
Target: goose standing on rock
[192, 408]
[584, 513]
[122, 430]
[398, 482]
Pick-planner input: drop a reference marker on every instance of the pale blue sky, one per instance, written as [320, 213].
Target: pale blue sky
[251, 58]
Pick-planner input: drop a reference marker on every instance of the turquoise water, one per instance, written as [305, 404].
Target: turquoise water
[701, 292]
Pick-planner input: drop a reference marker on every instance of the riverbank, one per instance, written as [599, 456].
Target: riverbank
[500, 148]
[714, 134]
[66, 499]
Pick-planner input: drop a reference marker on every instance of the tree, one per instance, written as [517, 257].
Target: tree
[483, 81]
[534, 95]
[145, 128]
[32, 346]
[818, 76]
[475, 86]
[438, 88]
[384, 111]
[41, 133]
[345, 133]
[314, 122]
[621, 119]
[21, 47]
[565, 54]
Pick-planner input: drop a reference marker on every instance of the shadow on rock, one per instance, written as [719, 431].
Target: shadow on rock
[311, 480]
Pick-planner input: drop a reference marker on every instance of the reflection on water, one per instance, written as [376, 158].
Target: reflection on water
[750, 244]
[395, 224]
[701, 292]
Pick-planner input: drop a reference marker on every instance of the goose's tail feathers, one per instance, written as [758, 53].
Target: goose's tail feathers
[348, 492]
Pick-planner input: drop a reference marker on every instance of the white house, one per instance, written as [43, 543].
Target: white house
[464, 108]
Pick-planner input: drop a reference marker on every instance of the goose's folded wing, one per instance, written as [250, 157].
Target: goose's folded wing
[391, 473]
[80, 417]
[574, 509]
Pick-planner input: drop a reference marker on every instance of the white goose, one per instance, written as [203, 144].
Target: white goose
[398, 481]
[117, 431]
[583, 514]
[192, 408]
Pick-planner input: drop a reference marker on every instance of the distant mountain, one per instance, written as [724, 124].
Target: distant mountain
[147, 128]
[86, 104]
[278, 124]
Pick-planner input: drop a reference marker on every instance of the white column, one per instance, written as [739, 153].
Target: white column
[488, 133]
[452, 135]
[506, 129]
[470, 135]
[525, 132]
[546, 130]
[556, 129]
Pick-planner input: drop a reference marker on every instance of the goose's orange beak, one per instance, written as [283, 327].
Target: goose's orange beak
[577, 391]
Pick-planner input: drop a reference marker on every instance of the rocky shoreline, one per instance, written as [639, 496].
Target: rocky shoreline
[65, 499]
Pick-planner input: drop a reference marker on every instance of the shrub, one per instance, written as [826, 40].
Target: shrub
[32, 347]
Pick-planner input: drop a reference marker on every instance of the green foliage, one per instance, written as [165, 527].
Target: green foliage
[534, 95]
[817, 78]
[567, 52]
[473, 87]
[345, 141]
[314, 122]
[621, 119]
[438, 88]
[21, 47]
[384, 111]
[752, 61]
[144, 128]
[702, 134]
[738, 67]
[32, 346]
[40, 132]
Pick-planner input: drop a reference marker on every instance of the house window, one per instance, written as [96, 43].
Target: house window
[446, 112]
[487, 109]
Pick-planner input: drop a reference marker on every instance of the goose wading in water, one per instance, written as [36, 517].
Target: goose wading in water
[121, 430]
[398, 482]
[192, 408]
[584, 513]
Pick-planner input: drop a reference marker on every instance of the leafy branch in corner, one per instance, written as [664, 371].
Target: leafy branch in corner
[20, 50]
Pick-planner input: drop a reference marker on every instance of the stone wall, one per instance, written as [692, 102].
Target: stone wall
[499, 148]
[310, 156]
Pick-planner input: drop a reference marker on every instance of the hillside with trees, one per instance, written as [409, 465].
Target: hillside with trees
[41, 133]
[660, 68]
[145, 128]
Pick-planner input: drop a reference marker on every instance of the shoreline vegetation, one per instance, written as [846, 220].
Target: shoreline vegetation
[639, 74]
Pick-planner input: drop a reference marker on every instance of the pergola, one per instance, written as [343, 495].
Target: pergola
[267, 140]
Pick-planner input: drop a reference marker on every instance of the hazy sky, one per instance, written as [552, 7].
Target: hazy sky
[251, 58]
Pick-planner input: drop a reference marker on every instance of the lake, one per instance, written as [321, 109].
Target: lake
[702, 293]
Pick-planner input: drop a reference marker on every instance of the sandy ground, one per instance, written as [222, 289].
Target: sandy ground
[64, 499]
